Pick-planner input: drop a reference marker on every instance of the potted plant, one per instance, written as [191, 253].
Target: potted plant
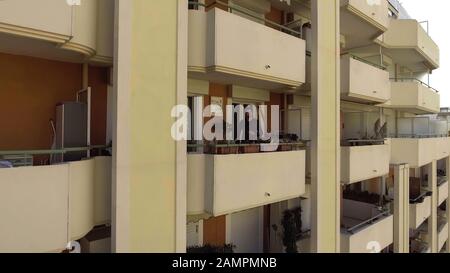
[292, 229]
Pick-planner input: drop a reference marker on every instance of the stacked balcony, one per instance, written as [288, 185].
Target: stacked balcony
[220, 184]
[442, 232]
[230, 49]
[409, 45]
[413, 96]
[363, 82]
[360, 163]
[85, 32]
[44, 207]
[363, 21]
[364, 225]
[419, 212]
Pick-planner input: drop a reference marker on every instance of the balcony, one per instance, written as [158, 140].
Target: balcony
[419, 212]
[442, 192]
[360, 163]
[220, 184]
[417, 152]
[230, 49]
[363, 82]
[45, 207]
[414, 96]
[84, 31]
[442, 233]
[362, 224]
[362, 21]
[408, 44]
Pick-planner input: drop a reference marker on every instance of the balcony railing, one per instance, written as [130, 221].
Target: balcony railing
[364, 81]
[418, 152]
[19, 158]
[44, 207]
[220, 184]
[414, 80]
[357, 227]
[222, 44]
[409, 45]
[421, 127]
[244, 148]
[379, 66]
[364, 223]
[361, 163]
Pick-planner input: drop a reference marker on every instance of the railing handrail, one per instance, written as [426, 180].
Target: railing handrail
[298, 143]
[422, 195]
[369, 221]
[417, 136]
[281, 27]
[365, 61]
[414, 79]
[52, 151]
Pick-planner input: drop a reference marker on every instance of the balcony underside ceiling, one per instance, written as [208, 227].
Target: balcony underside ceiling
[409, 58]
[17, 45]
[213, 75]
[357, 31]
[418, 110]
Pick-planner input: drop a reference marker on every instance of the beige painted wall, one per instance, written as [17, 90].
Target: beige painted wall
[381, 231]
[364, 163]
[416, 152]
[43, 208]
[418, 213]
[414, 97]
[225, 42]
[86, 29]
[363, 82]
[408, 33]
[376, 13]
[224, 184]
[105, 30]
[34, 15]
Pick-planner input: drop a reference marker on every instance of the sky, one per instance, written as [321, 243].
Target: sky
[436, 12]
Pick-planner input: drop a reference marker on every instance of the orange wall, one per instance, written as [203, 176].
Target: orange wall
[275, 15]
[214, 231]
[29, 91]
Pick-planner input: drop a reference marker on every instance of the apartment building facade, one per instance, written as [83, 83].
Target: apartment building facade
[364, 150]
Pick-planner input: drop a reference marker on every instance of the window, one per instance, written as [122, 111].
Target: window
[193, 4]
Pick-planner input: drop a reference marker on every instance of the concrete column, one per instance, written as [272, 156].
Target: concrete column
[325, 152]
[432, 221]
[149, 167]
[401, 209]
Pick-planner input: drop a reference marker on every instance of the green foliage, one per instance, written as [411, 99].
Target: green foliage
[292, 229]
